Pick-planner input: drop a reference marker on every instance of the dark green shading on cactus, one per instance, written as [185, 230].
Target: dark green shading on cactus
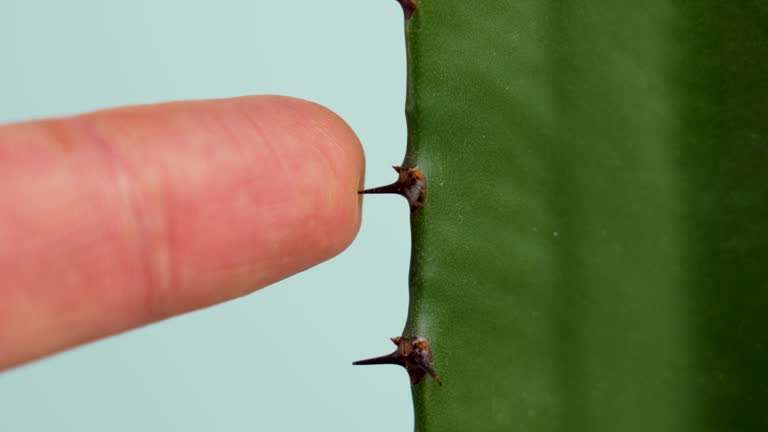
[593, 252]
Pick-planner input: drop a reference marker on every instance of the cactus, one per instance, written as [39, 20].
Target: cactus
[591, 254]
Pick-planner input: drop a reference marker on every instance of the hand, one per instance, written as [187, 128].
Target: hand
[119, 218]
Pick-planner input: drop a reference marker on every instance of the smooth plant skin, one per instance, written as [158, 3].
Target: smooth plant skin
[592, 253]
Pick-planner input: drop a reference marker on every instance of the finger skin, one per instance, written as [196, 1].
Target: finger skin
[119, 218]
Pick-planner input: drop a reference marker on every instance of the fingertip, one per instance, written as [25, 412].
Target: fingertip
[157, 210]
[253, 189]
[333, 163]
[337, 148]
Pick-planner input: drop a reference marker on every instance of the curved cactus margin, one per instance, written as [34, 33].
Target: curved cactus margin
[593, 252]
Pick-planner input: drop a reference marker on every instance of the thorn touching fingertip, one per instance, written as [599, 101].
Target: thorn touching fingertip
[411, 184]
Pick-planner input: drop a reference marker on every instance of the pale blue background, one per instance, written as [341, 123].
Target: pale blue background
[279, 359]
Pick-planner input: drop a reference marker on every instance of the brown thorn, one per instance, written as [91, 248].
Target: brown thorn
[413, 353]
[411, 184]
[431, 372]
[416, 375]
[409, 6]
[393, 188]
[392, 358]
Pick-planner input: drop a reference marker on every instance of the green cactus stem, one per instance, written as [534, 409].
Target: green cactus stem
[592, 254]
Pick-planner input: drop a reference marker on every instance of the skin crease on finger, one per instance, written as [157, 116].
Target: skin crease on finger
[123, 217]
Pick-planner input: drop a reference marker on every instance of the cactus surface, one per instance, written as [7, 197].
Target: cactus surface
[592, 254]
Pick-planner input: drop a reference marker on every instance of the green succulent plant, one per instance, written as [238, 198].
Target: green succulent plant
[592, 253]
